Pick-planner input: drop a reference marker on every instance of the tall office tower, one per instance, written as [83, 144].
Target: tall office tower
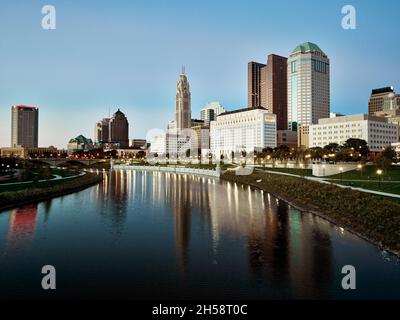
[102, 131]
[308, 86]
[256, 83]
[183, 113]
[119, 129]
[383, 99]
[276, 89]
[24, 126]
[211, 111]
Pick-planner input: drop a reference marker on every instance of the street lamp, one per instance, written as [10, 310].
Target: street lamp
[341, 174]
[379, 173]
[323, 167]
[360, 167]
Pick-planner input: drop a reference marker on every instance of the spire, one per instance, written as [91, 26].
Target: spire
[183, 70]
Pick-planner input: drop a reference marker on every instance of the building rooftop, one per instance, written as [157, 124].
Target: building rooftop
[382, 90]
[80, 139]
[353, 117]
[307, 47]
[242, 110]
[21, 106]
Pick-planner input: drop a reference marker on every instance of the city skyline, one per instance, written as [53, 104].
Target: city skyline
[129, 70]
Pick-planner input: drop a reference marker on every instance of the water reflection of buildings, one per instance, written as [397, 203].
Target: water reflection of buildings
[285, 248]
[22, 224]
[112, 195]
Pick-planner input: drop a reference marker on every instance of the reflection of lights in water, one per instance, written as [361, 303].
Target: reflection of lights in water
[22, 224]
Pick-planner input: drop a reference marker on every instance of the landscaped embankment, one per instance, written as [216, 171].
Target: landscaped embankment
[371, 217]
[41, 192]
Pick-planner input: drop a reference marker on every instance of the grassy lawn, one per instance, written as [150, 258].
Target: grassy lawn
[390, 187]
[299, 172]
[369, 173]
[37, 185]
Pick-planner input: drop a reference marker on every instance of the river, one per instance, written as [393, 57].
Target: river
[141, 235]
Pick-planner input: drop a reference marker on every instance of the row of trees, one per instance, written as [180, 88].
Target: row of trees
[351, 150]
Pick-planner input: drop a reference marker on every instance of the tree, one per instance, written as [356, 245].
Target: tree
[357, 146]
[282, 152]
[382, 162]
[389, 154]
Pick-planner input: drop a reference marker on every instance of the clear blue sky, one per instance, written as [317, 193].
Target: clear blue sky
[128, 54]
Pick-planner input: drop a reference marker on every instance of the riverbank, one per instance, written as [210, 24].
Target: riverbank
[11, 199]
[374, 219]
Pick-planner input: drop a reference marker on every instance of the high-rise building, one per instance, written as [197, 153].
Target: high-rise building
[211, 111]
[102, 131]
[276, 89]
[183, 113]
[383, 99]
[24, 126]
[119, 129]
[256, 82]
[308, 85]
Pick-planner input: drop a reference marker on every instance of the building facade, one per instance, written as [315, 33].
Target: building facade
[80, 143]
[276, 89]
[183, 113]
[119, 129]
[308, 72]
[102, 131]
[256, 82]
[24, 126]
[303, 133]
[286, 138]
[376, 131]
[383, 99]
[211, 111]
[250, 129]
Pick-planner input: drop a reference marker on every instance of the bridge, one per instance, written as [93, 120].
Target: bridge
[63, 161]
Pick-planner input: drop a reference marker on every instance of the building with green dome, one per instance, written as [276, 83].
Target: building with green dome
[308, 85]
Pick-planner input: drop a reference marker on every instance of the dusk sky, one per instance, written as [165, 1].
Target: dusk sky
[106, 55]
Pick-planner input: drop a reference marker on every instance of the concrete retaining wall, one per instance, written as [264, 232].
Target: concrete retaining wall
[179, 170]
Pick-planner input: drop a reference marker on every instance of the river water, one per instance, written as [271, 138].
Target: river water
[141, 235]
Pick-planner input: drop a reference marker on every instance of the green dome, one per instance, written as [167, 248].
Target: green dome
[307, 47]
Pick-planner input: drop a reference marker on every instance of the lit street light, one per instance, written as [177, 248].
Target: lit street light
[341, 174]
[379, 173]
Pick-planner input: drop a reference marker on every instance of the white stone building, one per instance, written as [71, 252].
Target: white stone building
[246, 129]
[376, 131]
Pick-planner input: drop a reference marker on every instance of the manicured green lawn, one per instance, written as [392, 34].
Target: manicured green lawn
[390, 187]
[37, 185]
[299, 172]
[369, 173]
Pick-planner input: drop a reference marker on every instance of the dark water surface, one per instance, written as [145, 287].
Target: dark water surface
[160, 235]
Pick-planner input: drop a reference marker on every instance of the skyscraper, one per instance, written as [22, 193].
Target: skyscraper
[24, 126]
[102, 131]
[308, 85]
[256, 82]
[276, 89]
[183, 113]
[119, 129]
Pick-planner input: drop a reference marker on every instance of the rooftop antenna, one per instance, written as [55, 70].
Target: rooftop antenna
[109, 112]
